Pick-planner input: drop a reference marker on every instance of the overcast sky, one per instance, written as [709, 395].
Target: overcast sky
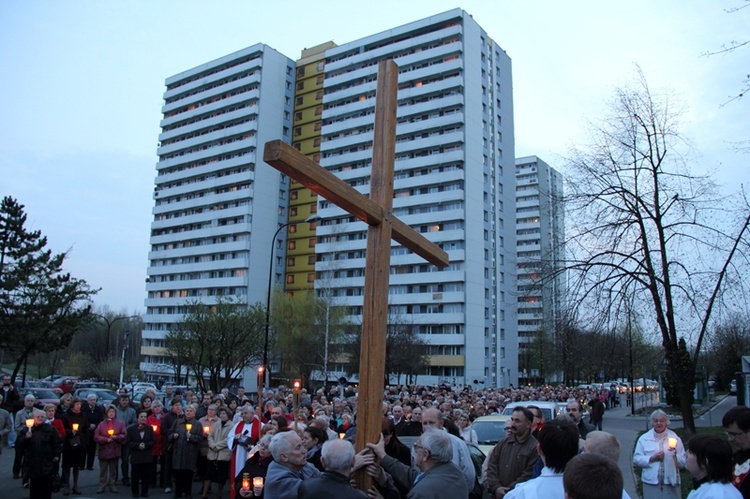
[82, 83]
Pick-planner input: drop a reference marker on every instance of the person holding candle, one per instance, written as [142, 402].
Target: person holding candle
[41, 447]
[185, 435]
[23, 415]
[206, 423]
[256, 467]
[241, 438]
[109, 435]
[157, 451]
[74, 445]
[661, 454]
[219, 455]
[140, 440]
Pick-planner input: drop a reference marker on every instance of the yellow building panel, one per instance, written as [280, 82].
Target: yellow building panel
[308, 115]
[153, 351]
[447, 360]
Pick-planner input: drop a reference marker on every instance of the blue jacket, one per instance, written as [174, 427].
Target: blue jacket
[283, 483]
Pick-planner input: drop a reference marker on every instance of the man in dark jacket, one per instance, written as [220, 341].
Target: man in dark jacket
[94, 414]
[435, 475]
[574, 410]
[140, 439]
[337, 458]
[41, 446]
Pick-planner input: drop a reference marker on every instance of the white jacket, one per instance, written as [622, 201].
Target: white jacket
[715, 490]
[647, 446]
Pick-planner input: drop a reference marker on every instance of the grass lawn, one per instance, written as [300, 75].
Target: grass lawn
[685, 478]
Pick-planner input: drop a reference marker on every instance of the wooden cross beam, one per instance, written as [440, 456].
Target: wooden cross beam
[376, 211]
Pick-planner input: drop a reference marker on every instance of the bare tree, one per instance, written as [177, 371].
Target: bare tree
[644, 226]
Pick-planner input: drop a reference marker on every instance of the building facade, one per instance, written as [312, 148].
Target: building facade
[216, 204]
[454, 178]
[540, 232]
[454, 182]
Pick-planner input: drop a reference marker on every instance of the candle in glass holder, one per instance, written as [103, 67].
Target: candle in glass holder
[188, 426]
[672, 443]
[29, 423]
[258, 483]
[110, 432]
[206, 429]
[246, 481]
[75, 426]
[342, 435]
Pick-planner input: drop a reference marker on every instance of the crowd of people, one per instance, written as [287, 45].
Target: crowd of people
[301, 445]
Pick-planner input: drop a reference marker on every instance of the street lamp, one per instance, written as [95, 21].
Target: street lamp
[310, 219]
[124, 351]
[110, 323]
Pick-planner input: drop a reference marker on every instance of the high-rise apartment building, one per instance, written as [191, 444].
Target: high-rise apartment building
[454, 179]
[540, 232]
[454, 182]
[216, 204]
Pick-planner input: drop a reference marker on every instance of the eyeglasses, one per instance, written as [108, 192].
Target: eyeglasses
[418, 447]
[734, 434]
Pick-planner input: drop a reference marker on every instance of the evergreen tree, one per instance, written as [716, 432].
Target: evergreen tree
[41, 306]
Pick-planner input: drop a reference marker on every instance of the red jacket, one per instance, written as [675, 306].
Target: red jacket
[154, 422]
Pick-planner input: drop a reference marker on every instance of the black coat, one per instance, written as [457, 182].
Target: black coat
[329, 484]
[68, 419]
[93, 416]
[39, 450]
[133, 440]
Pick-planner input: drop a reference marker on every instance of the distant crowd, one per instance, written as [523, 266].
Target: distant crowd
[300, 445]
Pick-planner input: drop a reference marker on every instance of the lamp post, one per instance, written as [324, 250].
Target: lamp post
[124, 351]
[110, 323]
[309, 219]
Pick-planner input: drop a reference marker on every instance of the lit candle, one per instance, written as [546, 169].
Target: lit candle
[672, 443]
[29, 423]
[75, 426]
[188, 426]
[246, 481]
[258, 482]
[342, 435]
[155, 427]
[206, 429]
[110, 432]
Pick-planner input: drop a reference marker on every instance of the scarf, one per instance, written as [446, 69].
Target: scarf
[668, 468]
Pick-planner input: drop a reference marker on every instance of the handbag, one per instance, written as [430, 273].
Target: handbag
[75, 442]
[56, 482]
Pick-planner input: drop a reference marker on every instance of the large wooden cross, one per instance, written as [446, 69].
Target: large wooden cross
[376, 211]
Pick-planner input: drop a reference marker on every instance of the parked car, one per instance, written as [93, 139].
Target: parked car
[51, 386]
[489, 430]
[733, 387]
[66, 384]
[104, 395]
[43, 396]
[90, 384]
[550, 409]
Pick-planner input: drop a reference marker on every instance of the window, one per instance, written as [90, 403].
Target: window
[294, 196]
[300, 72]
[292, 245]
[293, 228]
[318, 110]
[312, 242]
[290, 261]
[319, 80]
[299, 101]
[300, 85]
[311, 277]
[290, 279]
[311, 260]
[293, 211]
[297, 116]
